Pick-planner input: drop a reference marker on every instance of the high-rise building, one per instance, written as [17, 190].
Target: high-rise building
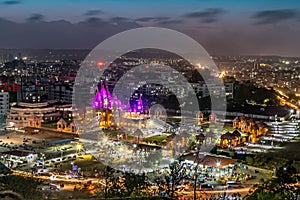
[60, 91]
[4, 103]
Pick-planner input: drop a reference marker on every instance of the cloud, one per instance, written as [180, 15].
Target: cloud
[12, 2]
[170, 22]
[274, 16]
[59, 34]
[119, 19]
[36, 17]
[152, 19]
[161, 18]
[93, 12]
[93, 20]
[210, 15]
[145, 19]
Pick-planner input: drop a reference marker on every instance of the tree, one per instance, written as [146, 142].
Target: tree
[135, 184]
[249, 160]
[278, 188]
[10, 195]
[111, 183]
[127, 184]
[25, 186]
[177, 173]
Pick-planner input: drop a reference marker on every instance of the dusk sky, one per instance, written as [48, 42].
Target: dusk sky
[222, 27]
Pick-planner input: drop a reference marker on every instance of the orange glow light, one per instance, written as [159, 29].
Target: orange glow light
[100, 64]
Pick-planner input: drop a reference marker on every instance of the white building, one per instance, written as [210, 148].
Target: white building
[33, 114]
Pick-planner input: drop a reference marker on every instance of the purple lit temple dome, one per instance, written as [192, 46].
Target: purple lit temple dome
[138, 106]
[104, 100]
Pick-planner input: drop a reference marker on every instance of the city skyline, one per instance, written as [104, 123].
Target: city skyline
[140, 99]
[223, 28]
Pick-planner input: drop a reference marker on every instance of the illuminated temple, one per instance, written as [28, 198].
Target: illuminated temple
[111, 113]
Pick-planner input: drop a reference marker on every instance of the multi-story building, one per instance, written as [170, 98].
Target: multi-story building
[61, 91]
[4, 103]
[33, 114]
[205, 89]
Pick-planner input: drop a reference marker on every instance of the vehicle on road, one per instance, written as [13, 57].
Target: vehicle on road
[234, 184]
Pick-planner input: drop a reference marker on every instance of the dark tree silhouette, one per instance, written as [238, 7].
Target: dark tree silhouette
[25, 186]
[281, 187]
[177, 173]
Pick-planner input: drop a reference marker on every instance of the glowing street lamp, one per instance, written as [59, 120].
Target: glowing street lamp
[78, 147]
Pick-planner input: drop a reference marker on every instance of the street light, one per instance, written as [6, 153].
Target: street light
[78, 147]
[218, 170]
[43, 159]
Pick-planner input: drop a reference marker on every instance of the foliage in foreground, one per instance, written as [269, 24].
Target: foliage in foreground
[27, 187]
[282, 187]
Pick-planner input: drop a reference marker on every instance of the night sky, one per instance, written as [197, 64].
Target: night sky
[222, 27]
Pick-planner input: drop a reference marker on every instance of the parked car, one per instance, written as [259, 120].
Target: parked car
[234, 184]
[206, 186]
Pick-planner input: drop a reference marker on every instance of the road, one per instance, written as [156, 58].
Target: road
[70, 182]
[209, 193]
[58, 178]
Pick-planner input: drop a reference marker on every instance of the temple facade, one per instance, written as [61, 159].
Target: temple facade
[253, 128]
[112, 114]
